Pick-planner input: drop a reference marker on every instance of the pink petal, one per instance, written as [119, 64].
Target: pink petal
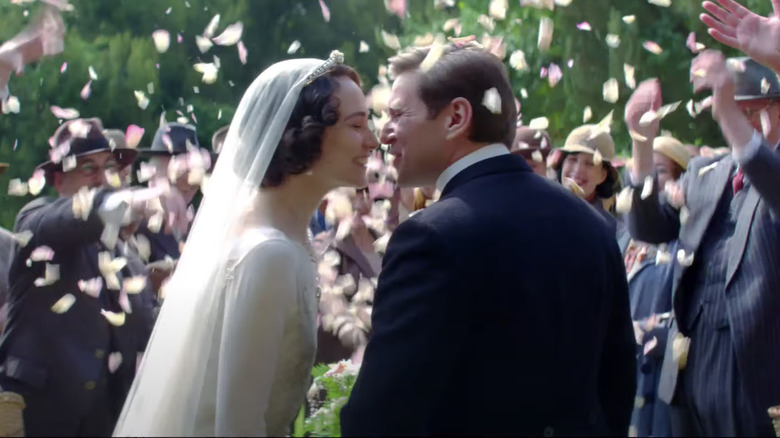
[543, 72]
[64, 67]
[652, 47]
[325, 11]
[396, 7]
[554, 74]
[87, 90]
[66, 113]
[133, 136]
[179, 39]
[584, 26]
[242, 52]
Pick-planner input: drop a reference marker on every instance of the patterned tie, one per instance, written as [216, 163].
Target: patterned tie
[739, 180]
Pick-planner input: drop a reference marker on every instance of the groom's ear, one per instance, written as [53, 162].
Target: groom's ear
[457, 117]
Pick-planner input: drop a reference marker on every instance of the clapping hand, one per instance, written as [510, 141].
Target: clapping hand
[736, 26]
[647, 97]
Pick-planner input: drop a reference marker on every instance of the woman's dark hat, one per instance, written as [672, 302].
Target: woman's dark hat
[528, 140]
[753, 81]
[172, 139]
[80, 137]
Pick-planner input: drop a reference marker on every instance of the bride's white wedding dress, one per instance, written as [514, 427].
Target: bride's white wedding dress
[258, 374]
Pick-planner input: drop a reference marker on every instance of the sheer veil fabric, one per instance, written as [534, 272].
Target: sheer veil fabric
[167, 390]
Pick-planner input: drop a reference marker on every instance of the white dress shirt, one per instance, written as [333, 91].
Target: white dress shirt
[481, 154]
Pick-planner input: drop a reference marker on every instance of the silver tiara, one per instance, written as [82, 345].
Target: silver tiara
[336, 57]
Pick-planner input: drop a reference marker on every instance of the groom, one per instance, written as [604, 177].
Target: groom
[502, 309]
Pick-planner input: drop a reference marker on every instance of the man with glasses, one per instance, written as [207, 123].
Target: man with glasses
[79, 313]
[719, 370]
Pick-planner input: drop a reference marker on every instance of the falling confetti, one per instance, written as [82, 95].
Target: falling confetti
[764, 86]
[17, 188]
[114, 361]
[613, 41]
[179, 38]
[204, 44]
[628, 19]
[325, 11]
[624, 201]
[391, 40]
[91, 287]
[610, 90]
[231, 35]
[498, 9]
[66, 113]
[11, 105]
[647, 188]
[294, 47]
[162, 40]
[64, 67]
[115, 319]
[685, 214]
[584, 26]
[683, 259]
[452, 24]
[23, 238]
[63, 304]
[539, 123]
[435, 52]
[524, 93]
[396, 7]
[492, 101]
[628, 73]
[92, 73]
[211, 28]
[209, 71]
[41, 254]
[662, 3]
[587, 114]
[242, 53]
[143, 101]
[766, 124]
[545, 33]
[134, 285]
[36, 183]
[597, 158]
[517, 60]
[50, 276]
[652, 47]
[554, 75]
[86, 91]
[486, 22]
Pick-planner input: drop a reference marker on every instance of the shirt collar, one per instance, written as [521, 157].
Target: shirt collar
[481, 154]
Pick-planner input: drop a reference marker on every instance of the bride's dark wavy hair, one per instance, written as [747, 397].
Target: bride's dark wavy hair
[301, 143]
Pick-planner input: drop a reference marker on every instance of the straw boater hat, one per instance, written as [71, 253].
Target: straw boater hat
[84, 137]
[672, 149]
[754, 81]
[586, 139]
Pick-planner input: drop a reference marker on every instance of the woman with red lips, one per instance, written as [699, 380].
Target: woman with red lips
[584, 167]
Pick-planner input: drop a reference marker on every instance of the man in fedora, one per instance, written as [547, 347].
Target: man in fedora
[176, 154]
[78, 311]
[534, 145]
[722, 356]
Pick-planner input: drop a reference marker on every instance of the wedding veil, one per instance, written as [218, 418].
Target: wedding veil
[165, 396]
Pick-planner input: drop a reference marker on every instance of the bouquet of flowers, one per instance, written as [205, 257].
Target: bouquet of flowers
[328, 394]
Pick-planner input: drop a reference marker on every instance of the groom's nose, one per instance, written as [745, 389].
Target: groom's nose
[387, 135]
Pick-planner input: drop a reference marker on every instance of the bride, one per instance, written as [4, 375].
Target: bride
[233, 348]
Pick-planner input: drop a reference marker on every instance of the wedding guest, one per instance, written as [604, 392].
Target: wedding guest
[584, 166]
[534, 146]
[6, 253]
[650, 272]
[171, 154]
[74, 328]
[718, 372]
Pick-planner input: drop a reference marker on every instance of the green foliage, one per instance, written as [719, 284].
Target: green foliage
[324, 420]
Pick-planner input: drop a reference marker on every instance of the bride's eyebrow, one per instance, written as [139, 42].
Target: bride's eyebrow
[362, 114]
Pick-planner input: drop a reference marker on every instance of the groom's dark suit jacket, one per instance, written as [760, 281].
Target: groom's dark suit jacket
[502, 309]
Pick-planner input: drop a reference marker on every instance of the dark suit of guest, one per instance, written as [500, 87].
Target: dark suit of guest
[59, 362]
[727, 301]
[650, 293]
[161, 245]
[502, 309]
[6, 253]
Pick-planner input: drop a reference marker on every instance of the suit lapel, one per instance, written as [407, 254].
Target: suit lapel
[703, 206]
[737, 243]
